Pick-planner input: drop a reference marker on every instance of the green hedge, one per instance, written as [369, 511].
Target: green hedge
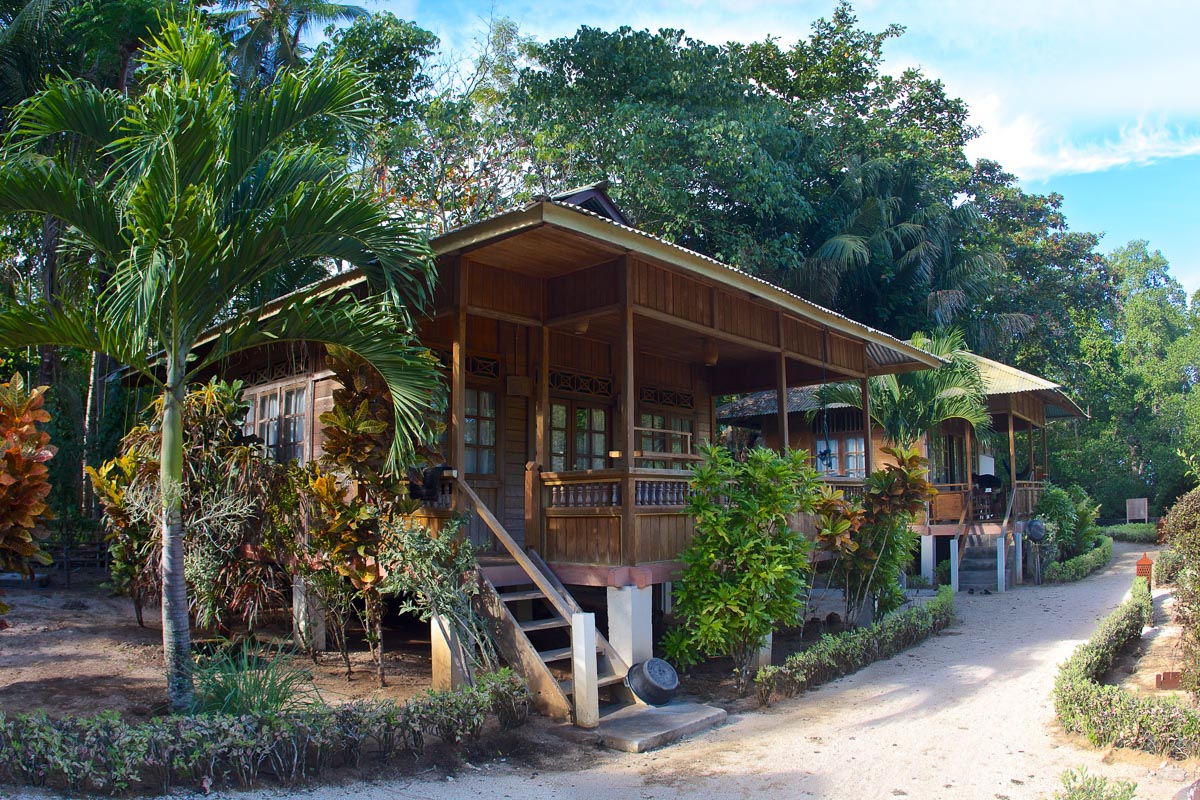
[1080, 567]
[1167, 566]
[104, 754]
[1109, 715]
[835, 655]
[1137, 532]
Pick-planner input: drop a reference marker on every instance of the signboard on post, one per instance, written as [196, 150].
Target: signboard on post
[1137, 509]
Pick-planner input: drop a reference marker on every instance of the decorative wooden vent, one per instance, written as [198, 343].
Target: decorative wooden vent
[579, 383]
[669, 398]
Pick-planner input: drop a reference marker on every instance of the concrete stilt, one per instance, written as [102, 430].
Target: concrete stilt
[928, 549]
[763, 657]
[586, 692]
[629, 628]
[1001, 562]
[1019, 558]
[954, 564]
[449, 660]
[308, 617]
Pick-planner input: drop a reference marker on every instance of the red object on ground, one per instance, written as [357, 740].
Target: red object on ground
[1166, 680]
[1145, 567]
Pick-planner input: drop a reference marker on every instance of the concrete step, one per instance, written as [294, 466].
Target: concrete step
[977, 564]
[979, 552]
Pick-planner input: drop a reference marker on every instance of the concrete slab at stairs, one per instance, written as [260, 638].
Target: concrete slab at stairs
[638, 728]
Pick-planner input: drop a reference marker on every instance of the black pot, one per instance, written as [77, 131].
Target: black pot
[654, 681]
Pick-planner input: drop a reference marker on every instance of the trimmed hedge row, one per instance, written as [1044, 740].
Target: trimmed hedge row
[1137, 532]
[1167, 566]
[1110, 715]
[1079, 567]
[836, 655]
[104, 754]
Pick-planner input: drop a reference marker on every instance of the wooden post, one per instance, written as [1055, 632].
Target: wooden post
[1045, 456]
[969, 465]
[458, 378]
[781, 395]
[1012, 457]
[541, 436]
[1029, 436]
[627, 359]
[868, 445]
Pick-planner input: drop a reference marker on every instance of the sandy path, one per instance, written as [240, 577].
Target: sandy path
[965, 715]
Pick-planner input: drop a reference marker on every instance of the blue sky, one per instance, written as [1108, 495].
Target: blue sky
[1096, 99]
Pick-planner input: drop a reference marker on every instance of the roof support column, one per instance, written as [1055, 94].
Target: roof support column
[1045, 456]
[868, 437]
[458, 376]
[1012, 454]
[628, 411]
[781, 399]
[1029, 436]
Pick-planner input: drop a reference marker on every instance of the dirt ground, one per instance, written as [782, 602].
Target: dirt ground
[966, 715]
[79, 650]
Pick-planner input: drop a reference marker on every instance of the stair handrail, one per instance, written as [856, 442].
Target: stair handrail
[537, 577]
[962, 528]
[1012, 499]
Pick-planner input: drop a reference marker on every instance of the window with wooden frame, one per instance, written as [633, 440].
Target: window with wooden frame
[661, 432]
[480, 431]
[856, 457]
[825, 453]
[278, 416]
[578, 436]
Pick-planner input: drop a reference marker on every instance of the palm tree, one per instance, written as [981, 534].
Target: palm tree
[267, 32]
[913, 404]
[210, 194]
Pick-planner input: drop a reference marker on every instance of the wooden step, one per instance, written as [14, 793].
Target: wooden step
[563, 653]
[606, 679]
[528, 594]
[545, 624]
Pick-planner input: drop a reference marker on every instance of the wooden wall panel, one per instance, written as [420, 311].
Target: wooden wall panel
[800, 337]
[705, 409]
[483, 335]
[583, 289]
[671, 293]
[515, 450]
[501, 290]
[847, 353]
[583, 540]
[580, 354]
[322, 401]
[662, 537]
[479, 533]
[436, 333]
[746, 318]
[655, 371]
[443, 290]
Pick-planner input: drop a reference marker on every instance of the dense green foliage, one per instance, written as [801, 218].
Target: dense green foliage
[1181, 527]
[746, 569]
[106, 755]
[1079, 784]
[1109, 715]
[1070, 517]
[835, 655]
[1079, 567]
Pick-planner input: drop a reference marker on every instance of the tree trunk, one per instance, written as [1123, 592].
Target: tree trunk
[48, 353]
[177, 645]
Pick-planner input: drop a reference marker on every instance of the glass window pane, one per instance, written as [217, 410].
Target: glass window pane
[558, 463]
[598, 419]
[472, 460]
[558, 441]
[581, 443]
[646, 421]
[471, 402]
[487, 404]
[487, 432]
[599, 463]
[558, 416]
[599, 446]
[470, 431]
[581, 419]
[487, 462]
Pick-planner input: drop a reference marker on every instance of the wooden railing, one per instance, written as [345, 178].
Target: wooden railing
[1026, 495]
[604, 488]
[951, 502]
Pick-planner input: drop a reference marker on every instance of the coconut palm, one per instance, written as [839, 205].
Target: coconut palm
[266, 33]
[208, 195]
[912, 404]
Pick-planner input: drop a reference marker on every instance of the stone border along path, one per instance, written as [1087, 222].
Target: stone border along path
[966, 715]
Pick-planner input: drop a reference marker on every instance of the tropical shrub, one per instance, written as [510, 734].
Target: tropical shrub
[836, 655]
[1181, 529]
[1079, 784]
[242, 679]
[872, 544]
[1070, 517]
[1167, 566]
[1109, 715]
[23, 478]
[207, 752]
[1079, 567]
[229, 543]
[746, 568]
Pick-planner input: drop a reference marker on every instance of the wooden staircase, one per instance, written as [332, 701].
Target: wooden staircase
[541, 630]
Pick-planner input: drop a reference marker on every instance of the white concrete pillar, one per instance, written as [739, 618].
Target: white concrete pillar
[629, 629]
[585, 690]
[928, 548]
[1001, 562]
[449, 661]
[763, 657]
[1019, 558]
[308, 617]
[954, 564]
[668, 598]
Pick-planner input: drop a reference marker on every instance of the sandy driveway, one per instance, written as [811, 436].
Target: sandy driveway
[965, 715]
